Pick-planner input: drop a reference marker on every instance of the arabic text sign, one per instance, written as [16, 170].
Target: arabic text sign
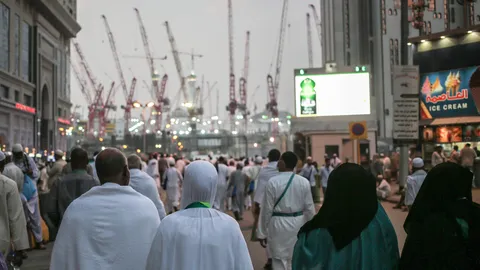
[405, 102]
[447, 94]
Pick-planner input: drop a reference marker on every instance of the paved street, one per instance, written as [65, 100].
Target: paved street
[39, 260]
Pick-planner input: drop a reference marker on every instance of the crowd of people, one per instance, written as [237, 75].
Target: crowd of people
[108, 212]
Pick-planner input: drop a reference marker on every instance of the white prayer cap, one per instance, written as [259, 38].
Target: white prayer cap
[2, 156]
[417, 163]
[59, 152]
[171, 162]
[17, 148]
[199, 183]
[259, 160]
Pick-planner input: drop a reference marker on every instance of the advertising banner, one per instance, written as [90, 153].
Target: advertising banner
[449, 94]
[332, 94]
[405, 103]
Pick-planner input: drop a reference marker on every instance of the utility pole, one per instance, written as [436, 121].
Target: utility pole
[404, 61]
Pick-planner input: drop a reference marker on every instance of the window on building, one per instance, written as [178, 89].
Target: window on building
[452, 15]
[64, 113]
[59, 112]
[431, 5]
[372, 64]
[4, 37]
[16, 37]
[397, 52]
[348, 59]
[27, 100]
[5, 91]
[26, 52]
[17, 96]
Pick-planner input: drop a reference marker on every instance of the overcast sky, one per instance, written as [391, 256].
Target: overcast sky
[200, 25]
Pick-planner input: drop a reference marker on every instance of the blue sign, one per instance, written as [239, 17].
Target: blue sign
[358, 129]
[448, 94]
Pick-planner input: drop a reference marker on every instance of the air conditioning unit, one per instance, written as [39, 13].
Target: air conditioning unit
[331, 67]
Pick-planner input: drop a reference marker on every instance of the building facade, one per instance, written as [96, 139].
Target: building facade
[34, 73]
[445, 45]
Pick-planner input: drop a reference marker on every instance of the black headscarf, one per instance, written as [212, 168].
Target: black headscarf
[436, 239]
[350, 204]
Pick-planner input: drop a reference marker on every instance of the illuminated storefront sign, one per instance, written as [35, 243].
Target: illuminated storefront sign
[24, 108]
[449, 94]
[64, 121]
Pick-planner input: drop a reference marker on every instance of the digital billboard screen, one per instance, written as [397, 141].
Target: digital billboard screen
[332, 94]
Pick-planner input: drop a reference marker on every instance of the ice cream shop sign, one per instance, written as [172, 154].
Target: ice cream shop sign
[450, 93]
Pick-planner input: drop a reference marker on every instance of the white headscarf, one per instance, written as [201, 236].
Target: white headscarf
[199, 183]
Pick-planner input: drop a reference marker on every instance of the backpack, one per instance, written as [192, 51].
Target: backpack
[29, 188]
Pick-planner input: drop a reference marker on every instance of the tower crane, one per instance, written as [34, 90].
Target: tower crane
[309, 42]
[272, 84]
[232, 105]
[105, 109]
[243, 82]
[128, 94]
[159, 91]
[86, 67]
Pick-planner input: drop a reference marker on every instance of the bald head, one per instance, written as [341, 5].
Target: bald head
[134, 162]
[111, 166]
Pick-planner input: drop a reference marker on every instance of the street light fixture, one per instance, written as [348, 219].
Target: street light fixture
[150, 104]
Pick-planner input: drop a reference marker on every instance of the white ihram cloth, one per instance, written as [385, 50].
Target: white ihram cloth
[110, 227]
[199, 238]
[221, 193]
[145, 185]
[174, 179]
[265, 174]
[281, 232]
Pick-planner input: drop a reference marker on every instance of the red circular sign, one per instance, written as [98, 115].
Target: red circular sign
[358, 129]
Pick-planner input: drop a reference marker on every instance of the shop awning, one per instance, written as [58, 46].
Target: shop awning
[450, 121]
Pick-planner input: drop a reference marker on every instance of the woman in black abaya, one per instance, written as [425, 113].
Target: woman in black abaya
[443, 226]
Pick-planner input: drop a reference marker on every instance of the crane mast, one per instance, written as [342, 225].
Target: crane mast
[153, 73]
[273, 84]
[88, 97]
[309, 42]
[126, 92]
[318, 26]
[244, 80]
[232, 106]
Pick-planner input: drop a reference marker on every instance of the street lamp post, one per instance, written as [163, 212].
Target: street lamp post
[144, 107]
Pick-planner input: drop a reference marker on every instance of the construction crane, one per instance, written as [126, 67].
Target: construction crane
[272, 84]
[318, 25]
[309, 42]
[159, 92]
[176, 58]
[86, 67]
[128, 94]
[107, 105]
[232, 105]
[243, 82]
[139, 56]
[192, 57]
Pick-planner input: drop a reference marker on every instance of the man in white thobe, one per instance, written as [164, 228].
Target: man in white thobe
[286, 206]
[110, 227]
[144, 184]
[152, 169]
[199, 237]
[173, 180]
[14, 227]
[221, 194]
[265, 174]
[415, 181]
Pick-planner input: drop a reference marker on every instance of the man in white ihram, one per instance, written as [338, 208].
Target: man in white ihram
[286, 206]
[199, 237]
[144, 183]
[173, 179]
[110, 227]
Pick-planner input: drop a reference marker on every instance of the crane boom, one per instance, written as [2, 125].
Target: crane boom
[176, 58]
[83, 62]
[82, 84]
[318, 23]
[283, 26]
[113, 47]
[309, 42]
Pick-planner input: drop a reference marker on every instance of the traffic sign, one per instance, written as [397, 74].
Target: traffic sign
[358, 130]
[405, 103]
